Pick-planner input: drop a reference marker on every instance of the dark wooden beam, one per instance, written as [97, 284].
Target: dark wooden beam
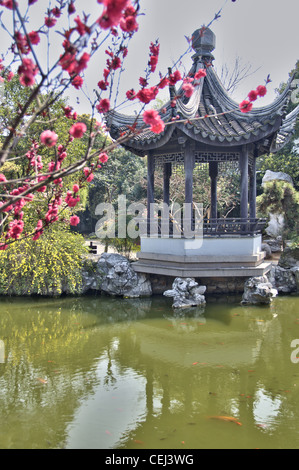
[150, 187]
[244, 183]
[166, 182]
[189, 167]
[252, 190]
[213, 172]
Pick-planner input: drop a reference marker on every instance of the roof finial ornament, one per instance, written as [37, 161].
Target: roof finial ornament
[203, 43]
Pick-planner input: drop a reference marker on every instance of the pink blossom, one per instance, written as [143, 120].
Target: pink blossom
[103, 157]
[158, 127]
[38, 230]
[82, 63]
[102, 84]
[90, 178]
[103, 106]
[78, 130]
[50, 22]
[70, 200]
[71, 8]
[175, 77]
[153, 118]
[8, 4]
[77, 82]
[163, 83]
[74, 220]
[188, 89]
[200, 74]
[261, 90]
[49, 138]
[112, 13]
[27, 71]
[129, 24]
[34, 37]
[245, 106]
[16, 227]
[76, 188]
[10, 76]
[130, 94]
[150, 116]
[252, 95]
[147, 94]
[52, 214]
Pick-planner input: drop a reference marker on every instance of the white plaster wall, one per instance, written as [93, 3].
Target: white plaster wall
[204, 246]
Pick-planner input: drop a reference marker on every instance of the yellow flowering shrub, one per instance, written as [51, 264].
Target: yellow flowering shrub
[49, 266]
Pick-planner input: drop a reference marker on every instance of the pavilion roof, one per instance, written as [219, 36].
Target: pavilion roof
[210, 116]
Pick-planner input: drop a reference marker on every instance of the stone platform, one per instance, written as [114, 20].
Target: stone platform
[208, 257]
[202, 266]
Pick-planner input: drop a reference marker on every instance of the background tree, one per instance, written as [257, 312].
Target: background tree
[286, 160]
[280, 197]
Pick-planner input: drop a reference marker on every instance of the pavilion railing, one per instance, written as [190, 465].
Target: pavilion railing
[233, 226]
[207, 227]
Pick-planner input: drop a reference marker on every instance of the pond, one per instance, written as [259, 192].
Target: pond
[107, 373]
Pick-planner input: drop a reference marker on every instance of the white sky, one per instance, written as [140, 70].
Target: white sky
[262, 33]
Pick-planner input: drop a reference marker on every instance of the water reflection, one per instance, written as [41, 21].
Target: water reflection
[130, 373]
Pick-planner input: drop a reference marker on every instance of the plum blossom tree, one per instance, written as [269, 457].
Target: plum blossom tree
[47, 80]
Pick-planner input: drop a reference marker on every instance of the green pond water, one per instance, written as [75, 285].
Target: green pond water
[105, 373]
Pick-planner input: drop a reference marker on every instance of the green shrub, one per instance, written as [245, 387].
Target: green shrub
[49, 266]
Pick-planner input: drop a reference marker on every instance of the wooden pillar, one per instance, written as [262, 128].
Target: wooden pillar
[150, 188]
[166, 182]
[189, 167]
[252, 190]
[189, 162]
[244, 183]
[213, 172]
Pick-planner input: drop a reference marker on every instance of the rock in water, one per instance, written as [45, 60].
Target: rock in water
[120, 279]
[186, 293]
[258, 290]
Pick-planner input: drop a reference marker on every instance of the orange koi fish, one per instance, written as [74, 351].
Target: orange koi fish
[227, 418]
[42, 381]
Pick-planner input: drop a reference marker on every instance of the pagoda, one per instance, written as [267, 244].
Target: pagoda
[206, 129]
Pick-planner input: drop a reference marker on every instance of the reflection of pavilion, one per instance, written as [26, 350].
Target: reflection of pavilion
[224, 138]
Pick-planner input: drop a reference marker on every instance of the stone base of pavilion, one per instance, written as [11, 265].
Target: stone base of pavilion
[207, 257]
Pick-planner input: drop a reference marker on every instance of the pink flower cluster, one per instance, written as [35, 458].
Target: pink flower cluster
[74, 220]
[118, 12]
[35, 161]
[16, 226]
[72, 199]
[189, 82]
[27, 71]
[78, 130]
[88, 174]
[49, 138]
[154, 56]
[153, 118]
[246, 105]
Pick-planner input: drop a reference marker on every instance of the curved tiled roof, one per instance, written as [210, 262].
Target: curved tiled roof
[209, 116]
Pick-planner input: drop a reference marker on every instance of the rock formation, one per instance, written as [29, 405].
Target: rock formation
[186, 293]
[120, 279]
[258, 290]
[285, 276]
